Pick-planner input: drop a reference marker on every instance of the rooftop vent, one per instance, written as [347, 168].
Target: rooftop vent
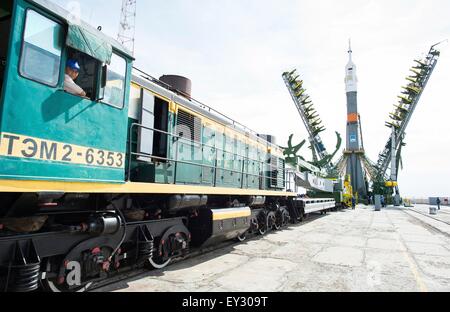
[180, 84]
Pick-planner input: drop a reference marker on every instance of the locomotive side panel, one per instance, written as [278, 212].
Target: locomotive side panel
[199, 150]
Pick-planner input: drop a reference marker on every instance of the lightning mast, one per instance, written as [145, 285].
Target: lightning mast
[127, 28]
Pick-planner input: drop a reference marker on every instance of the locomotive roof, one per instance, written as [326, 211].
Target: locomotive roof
[63, 14]
[163, 89]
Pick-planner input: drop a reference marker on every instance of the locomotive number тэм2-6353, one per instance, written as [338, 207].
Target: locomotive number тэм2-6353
[19, 146]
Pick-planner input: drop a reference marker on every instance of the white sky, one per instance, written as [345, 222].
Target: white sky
[236, 50]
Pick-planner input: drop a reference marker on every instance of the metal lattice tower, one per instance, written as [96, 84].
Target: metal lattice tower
[308, 114]
[404, 110]
[127, 28]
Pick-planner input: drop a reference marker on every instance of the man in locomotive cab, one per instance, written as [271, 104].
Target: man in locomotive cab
[72, 72]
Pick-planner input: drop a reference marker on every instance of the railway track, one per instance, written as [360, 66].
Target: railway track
[130, 274]
[428, 216]
[108, 285]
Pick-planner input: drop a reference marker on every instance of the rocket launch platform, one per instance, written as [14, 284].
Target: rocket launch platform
[354, 163]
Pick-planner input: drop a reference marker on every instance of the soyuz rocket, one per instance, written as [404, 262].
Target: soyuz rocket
[354, 149]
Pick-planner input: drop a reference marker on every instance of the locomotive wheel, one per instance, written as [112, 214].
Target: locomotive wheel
[262, 223]
[271, 221]
[262, 230]
[52, 286]
[159, 263]
[243, 237]
[165, 252]
[280, 220]
[286, 218]
[278, 223]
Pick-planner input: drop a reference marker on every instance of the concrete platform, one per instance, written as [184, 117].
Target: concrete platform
[396, 249]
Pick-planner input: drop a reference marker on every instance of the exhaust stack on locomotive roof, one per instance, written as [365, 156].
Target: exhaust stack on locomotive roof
[180, 84]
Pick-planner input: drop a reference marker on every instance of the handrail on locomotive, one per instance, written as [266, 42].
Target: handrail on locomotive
[177, 138]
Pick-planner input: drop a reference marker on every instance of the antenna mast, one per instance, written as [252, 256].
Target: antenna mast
[127, 24]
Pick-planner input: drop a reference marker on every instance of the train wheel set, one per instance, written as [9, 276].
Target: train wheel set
[79, 250]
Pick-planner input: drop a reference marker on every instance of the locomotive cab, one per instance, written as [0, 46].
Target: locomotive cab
[46, 131]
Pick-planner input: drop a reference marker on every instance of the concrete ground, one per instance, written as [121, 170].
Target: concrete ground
[396, 249]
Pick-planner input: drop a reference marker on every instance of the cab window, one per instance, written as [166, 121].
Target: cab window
[88, 74]
[114, 91]
[42, 47]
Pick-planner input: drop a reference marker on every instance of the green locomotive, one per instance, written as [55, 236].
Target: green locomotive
[131, 173]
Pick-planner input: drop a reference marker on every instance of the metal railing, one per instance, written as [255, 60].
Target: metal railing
[134, 154]
[231, 121]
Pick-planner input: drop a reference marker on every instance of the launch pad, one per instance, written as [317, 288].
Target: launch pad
[364, 178]
[360, 250]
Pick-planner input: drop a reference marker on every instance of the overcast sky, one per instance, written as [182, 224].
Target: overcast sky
[236, 50]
